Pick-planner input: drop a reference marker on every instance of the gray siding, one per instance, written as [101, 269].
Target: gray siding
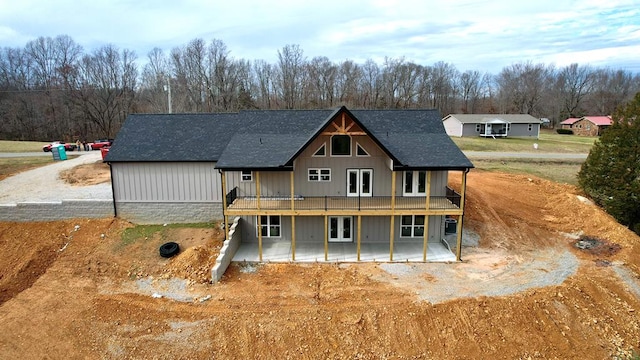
[272, 183]
[453, 127]
[522, 130]
[249, 226]
[470, 130]
[166, 182]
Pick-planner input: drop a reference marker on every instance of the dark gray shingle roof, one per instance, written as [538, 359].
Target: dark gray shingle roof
[271, 139]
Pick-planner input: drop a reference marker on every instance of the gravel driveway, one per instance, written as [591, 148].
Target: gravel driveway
[42, 184]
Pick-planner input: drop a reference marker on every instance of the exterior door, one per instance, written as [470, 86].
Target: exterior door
[340, 229]
[359, 182]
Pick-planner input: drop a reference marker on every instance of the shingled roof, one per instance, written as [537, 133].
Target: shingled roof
[271, 139]
[486, 118]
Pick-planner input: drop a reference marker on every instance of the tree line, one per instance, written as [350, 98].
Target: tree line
[53, 89]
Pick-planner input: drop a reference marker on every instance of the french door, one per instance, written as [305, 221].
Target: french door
[340, 229]
[359, 182]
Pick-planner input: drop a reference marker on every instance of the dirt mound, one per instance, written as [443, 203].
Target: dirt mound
[87, 174]
[194, 263]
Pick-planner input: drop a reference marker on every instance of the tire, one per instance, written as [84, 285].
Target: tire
[169, 249]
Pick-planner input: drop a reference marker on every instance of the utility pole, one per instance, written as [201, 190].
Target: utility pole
[167, 88]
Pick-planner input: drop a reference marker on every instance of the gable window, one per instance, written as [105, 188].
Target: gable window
[247, 176]
[341, 145]
[319, 175]
[415, 183]
[321, 152]
[360, 151]
[412, 226]
[530, 127]
[270, 225]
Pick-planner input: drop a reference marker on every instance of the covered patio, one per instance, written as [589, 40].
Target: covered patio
[403, 251]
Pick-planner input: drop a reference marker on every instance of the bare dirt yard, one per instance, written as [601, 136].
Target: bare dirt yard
[79, 289]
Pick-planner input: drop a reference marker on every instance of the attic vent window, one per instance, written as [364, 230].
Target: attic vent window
[321, 152]
[360, 151]
[341, 145]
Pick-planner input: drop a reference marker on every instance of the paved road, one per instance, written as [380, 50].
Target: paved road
[521, 155]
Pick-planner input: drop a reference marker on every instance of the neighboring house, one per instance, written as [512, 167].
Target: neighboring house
[568, 123]
[492, 125]
[308, 185]
[591, 125]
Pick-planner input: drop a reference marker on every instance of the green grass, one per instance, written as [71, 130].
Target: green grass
[21, 146]
[144, 232]
[561, 171]
[548, 142]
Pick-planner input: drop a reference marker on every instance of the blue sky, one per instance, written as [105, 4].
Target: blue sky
[470, 34]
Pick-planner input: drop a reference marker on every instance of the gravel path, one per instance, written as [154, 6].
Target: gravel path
[43, 185]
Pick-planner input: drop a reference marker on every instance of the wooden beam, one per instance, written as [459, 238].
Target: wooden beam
[391, 236]
[359, 236]
[340, 212]
[259, 237]
[352, 133]
[224, 205]
[425, 238]
[326, 238]
[258, 189]
[393, 190]
[428, 190]
[226, 227]
[463, 188]
[293, 238]
[292, 193]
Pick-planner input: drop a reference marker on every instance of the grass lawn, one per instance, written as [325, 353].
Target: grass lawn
[21, 146]
[548, 142]
[10, 166]
[561, 171]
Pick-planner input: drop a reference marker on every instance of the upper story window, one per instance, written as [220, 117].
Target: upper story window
[246, 176]
[341, 145]
[415, 183]
[321, 152]
[319, 175]
[360, 151]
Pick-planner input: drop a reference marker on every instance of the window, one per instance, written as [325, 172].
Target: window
[270, 225]
[415, 183]
[247, 175]
[477, 127]
[412, 226]
[341, 145]
[530, 127]
[319, 175]
[508, 126]
[321, 152]
[360, 151]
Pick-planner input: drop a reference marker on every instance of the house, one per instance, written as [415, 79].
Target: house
[591, 125]
[492, 125]
[306, 185]
[568, 123]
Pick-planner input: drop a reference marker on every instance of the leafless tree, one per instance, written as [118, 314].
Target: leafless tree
[290, 75]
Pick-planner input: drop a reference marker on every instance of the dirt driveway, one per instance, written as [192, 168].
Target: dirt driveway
[76, 289]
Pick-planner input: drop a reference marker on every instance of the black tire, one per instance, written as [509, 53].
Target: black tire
[169, 249]
[46, 150]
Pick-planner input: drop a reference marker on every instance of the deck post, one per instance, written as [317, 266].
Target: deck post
[293, 238]
[428, 190]
[463, 189]
[259, 237]
[359, 235]
[425, 238]
[391, 236]
[292, 193]
[224, 205]
[326, 238]
[258, 190]
[393, 191]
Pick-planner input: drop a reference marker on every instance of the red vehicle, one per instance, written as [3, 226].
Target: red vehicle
[67, 146]
[99, 144]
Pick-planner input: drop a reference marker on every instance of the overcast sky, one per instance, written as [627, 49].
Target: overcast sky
[470, 34]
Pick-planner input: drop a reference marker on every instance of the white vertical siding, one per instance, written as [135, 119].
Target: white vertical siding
[166, 182]
[453, 127]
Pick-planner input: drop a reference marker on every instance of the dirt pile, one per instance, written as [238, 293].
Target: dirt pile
[87, 174]
[83, 297]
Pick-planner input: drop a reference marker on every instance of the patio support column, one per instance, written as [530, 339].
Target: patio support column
[223, 182]
[326, 238]
[463, 190]
[425, 238]
[258, 190]
[391, 236]
[428, 190]
[293, 237]
[359, 235]
[259, 236]
[393, 191]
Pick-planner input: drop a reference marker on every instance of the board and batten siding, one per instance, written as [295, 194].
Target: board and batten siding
[453, 127]
[166, 182]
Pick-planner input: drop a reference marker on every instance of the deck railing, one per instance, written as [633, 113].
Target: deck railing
[449, 201]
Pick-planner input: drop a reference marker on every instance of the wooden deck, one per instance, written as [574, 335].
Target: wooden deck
[382, 203]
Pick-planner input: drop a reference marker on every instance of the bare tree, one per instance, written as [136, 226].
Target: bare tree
[155, 81]
[574, 83]
[264, 78]
[522, 86]
[290, 75]
[371, 84]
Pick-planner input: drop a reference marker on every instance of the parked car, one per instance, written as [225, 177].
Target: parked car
[67, 146]
[99, 144]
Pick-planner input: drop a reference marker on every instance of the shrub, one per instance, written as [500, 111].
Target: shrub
[564, 131]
